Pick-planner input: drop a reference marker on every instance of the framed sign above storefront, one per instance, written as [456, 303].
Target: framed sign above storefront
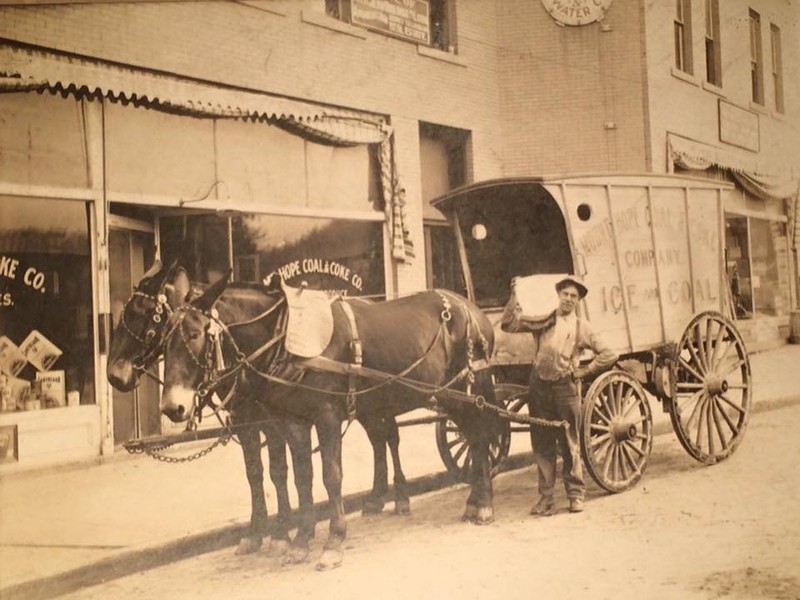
[408, 19]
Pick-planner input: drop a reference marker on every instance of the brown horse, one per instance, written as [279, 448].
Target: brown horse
[424, 344]
[137, 343]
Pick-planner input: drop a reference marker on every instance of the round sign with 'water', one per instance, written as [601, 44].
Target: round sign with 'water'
[576, 12]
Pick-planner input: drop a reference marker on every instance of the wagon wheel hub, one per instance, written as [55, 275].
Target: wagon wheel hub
[622, 431]
[716, 385]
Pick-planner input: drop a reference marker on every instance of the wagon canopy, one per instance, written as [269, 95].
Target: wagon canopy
[508, 228]
[650, 247]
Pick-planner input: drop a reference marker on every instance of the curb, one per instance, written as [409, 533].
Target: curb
[139, 559]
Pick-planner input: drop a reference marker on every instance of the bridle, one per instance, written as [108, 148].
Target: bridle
[211, 359]
[150, 344]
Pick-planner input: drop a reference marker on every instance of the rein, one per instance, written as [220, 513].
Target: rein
[215, 373]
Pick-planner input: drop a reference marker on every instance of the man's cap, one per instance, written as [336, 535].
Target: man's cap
[573, 280]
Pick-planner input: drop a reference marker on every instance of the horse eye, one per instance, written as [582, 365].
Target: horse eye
[194, 335]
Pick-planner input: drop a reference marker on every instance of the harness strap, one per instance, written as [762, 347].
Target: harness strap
[358, 360]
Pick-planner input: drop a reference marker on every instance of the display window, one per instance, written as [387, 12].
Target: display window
[757, 255]
[46, 323]
[338, 255]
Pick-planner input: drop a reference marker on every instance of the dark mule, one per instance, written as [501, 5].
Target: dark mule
[137, 342]
[428, 337]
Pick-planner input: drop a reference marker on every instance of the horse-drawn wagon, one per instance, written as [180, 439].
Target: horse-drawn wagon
[650, 249]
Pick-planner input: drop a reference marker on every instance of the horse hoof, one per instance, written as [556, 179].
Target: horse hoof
[402, 507]
[485, 516]
[470, 514]
[295, 556]
[248, 545]
[277, 548]
[372, 507]
[330, 559]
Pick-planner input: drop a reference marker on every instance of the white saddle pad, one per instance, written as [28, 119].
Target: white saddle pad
[310, 326]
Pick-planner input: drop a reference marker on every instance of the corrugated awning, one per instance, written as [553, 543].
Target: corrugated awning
[28, 69]
[24, 68]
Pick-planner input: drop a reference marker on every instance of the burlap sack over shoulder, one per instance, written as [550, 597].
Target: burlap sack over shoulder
[310, 326]
[537, 297]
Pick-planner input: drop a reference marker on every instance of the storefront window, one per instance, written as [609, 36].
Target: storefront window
[757, 266]
[340, 255]
[46, 323]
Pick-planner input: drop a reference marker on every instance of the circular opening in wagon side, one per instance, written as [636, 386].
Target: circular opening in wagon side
[584, 212]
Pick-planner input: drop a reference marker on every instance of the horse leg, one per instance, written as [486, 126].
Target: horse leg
[480, 428]
[402, 503]
[278, 473]
[330, 442]
[479, 504]
[251, 450]
[376, 431]
[298, 435]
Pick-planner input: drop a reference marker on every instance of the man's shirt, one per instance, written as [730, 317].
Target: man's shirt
[558, 345]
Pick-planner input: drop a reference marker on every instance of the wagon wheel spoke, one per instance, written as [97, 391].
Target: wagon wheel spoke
[734, 429]
[462, 448]
[735, 367]
[696, 399]
[616, 436]
[631, 446]
[713, 380]
[690, 368]
[715, 411]
[733, 405]
[717, 343]
[701, 418]
[696, 350]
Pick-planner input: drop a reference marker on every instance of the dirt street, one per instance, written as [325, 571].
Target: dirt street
[685, 532]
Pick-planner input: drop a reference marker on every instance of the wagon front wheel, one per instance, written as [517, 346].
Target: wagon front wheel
[617, 432]
[452, 444]
[711, 403]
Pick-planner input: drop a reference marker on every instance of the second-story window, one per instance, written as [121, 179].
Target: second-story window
[683, 36]
[756, 58]
[777, 66]
[428, 22]
[713, 56]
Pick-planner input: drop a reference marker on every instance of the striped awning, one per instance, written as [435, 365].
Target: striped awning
[32, 69]
[23, 68]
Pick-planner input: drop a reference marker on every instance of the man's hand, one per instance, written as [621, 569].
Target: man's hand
[580, 372]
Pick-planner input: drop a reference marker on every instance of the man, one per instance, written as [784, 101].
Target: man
[553, 388]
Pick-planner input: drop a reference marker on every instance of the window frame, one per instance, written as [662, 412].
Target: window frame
[776, 49]
[683, 36]
[712, 44]
[756, 58]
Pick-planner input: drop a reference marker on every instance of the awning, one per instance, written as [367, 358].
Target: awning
[24, 68]
[30, 69]
[762, 180]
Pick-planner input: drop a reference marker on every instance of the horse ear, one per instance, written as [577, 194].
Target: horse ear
[273, 281]
[212, 294]
[180, 287]
[153, 270]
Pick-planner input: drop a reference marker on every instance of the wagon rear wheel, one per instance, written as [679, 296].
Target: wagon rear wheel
[617, 433]
[452, 443]
[711, 403]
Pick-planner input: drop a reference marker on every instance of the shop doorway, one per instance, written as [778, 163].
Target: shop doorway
[131, 248]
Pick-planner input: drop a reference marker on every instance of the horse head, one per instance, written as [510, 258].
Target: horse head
[139, 334]
[189, 332]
